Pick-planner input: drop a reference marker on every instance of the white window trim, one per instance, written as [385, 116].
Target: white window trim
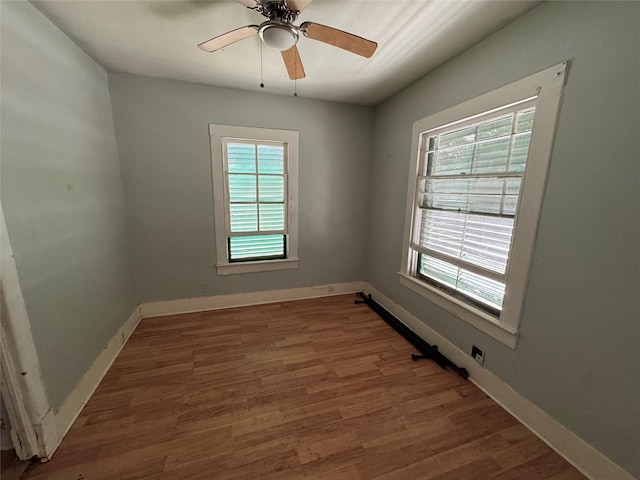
[219, 132]
[546, 87]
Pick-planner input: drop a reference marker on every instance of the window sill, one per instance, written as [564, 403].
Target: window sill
[473, 316]
[260, 266]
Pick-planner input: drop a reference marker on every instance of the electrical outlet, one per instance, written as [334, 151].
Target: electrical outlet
[477, 354]
[204, 288]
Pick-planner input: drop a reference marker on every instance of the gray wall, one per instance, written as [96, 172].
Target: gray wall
[62, 196]
[577, 357]
[163, 140]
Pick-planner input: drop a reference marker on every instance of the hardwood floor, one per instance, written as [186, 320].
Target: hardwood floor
[11, 467]
[320, 389]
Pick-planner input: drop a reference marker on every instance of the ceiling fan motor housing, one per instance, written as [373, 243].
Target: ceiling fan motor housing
[278, 35]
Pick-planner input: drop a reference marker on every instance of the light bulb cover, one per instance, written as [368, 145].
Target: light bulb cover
[278, 36]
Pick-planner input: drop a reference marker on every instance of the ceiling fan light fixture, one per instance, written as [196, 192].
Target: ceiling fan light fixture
[279, 32]
[279, 37]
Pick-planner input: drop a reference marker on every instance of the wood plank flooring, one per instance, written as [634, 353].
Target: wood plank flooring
[11, 467]
[320, 389]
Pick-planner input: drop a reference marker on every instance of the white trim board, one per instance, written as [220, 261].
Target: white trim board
[33, 431]
[78, 398]
[589, 461]
[217, 302]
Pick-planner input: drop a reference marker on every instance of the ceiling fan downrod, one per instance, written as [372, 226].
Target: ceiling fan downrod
[276, 11]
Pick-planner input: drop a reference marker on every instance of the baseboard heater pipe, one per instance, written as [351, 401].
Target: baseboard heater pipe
[427, 351]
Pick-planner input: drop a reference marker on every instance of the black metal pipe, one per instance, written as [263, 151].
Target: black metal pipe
[427, 350]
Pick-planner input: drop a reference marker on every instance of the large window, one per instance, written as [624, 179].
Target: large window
[255, 195]
[475, 192]
[468, 187]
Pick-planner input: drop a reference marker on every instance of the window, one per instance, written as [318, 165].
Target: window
[255, 198]
[474, 200]
[468, 186]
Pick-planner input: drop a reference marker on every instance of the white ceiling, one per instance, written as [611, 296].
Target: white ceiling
[158, 39]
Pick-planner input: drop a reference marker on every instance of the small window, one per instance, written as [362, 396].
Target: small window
[474, 200]
[255, 195]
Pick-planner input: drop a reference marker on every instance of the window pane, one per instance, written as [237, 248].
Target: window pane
[491, 157]
[429, 164]
[453, 161]
[482, 289]
[242, 188]
[524, 123]
[244, 218]
[480, 240]
[495, 128]
[271, 188]
[241, 158]
[256, 246]
[520, 152]
[486, 242]
[513, 186]
[442, 232]
[271, 217]
[511, 198]
[458, 137]
[443, 272]
[271, 159]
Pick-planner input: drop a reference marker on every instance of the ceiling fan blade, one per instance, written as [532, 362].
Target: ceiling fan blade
[221, 41]
[247, 3]
[298, 5]
[293, 63]
[340, 39]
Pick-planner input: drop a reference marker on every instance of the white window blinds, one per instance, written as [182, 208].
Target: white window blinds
[468, 185]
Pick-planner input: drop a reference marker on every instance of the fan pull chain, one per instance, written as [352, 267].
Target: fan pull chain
[295, 76]
[261, 74]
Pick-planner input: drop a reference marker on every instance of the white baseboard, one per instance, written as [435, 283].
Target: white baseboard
[80, 395]
[200, 304]
[589, 461]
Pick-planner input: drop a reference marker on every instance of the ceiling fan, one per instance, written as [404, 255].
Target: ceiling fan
[279, 32]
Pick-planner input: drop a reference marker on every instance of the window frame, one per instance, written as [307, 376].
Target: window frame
[545, 88]
[219, 136]
[423, 175]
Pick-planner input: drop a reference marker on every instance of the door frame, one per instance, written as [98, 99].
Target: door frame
[33, 428]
